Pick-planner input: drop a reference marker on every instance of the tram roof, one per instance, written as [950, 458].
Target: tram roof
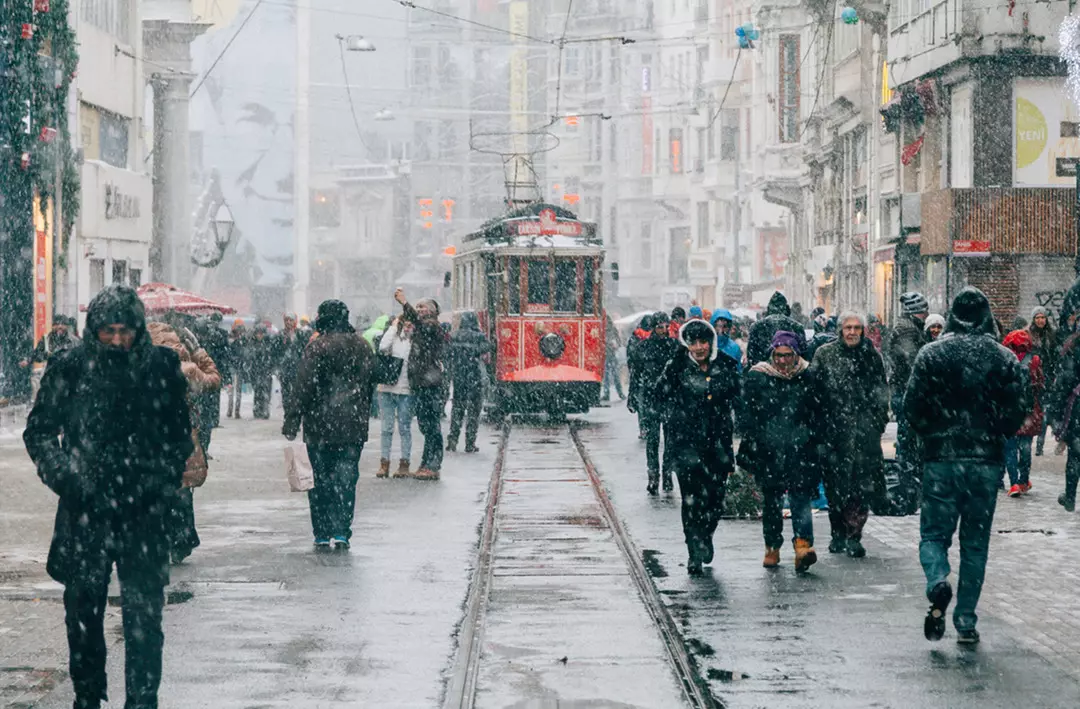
[537, 225]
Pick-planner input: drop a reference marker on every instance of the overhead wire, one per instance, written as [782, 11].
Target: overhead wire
[348, 92]
[731, 81]
[562, 51]
[224, 50]
[413, 6]
[821, 77]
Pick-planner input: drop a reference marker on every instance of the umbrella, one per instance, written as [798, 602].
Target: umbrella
[160, 298]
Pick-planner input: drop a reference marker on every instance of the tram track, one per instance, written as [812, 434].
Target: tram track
[465, 677]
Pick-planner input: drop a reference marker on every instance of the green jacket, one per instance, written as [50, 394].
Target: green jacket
[374, 333]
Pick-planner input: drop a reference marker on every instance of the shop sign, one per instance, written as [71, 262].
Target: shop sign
[119, 205]
[971, 247]
[548, 224]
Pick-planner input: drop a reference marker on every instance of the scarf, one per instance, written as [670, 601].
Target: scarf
[769, 369]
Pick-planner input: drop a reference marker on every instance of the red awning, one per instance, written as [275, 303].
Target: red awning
[160, 298]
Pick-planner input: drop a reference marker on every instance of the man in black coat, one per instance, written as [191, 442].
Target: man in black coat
[216, 343]
[852, 397]
[649, 359]
[468, 349]
[110, 433]
[967, 394]
[777, 318]
[332, 401]
[260, 353]
[899, 350]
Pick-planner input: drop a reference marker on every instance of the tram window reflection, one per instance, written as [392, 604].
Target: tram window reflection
[589, 287]
[513, 285]
[539, 283]
[566, 300]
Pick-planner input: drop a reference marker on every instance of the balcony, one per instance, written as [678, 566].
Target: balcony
[1004, 220]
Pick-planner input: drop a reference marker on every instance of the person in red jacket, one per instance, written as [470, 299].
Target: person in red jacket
[1018, 447]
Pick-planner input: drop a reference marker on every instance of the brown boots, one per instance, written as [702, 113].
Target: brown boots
[403, 469]
[772, 558]
[805, 556]
[384, 468]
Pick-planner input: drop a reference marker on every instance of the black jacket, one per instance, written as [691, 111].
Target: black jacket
[55, 346]
[852, 401]
[777, 318]
[334, 384]
[1067, 381]
[900, 349]
[778, 418]
[216, 343]
[428, 350]
[110, 433]
[647, 362]
[260, 356]
[467, 349]
[967, 393]
[697, 404]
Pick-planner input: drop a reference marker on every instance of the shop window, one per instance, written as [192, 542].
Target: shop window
[135, 277]
[565, 286]
[119, 272]
[97, 276]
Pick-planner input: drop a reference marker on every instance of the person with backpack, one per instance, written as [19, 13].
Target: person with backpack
[1018, 447]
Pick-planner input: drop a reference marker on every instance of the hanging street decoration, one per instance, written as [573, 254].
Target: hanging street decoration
[747, 35]
[850, 16]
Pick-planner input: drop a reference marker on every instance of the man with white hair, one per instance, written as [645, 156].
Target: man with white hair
[854, 407]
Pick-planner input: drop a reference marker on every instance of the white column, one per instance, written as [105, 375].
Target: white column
[172, 214]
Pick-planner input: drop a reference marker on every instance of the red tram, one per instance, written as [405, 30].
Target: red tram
[533, 276]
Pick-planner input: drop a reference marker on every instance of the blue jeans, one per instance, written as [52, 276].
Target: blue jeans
[333, 499]
[964, 491]
[1018, 459]
[396, 407]
[772, 516]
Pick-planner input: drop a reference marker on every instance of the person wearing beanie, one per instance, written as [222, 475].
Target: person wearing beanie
[331, 402]
[899, 351]
[966, 396]
[649, 360]
[777, 447]
[696, 393]
[696, 313]
[853, 401]
[1044, 344]
[777, 318]
[934, 326]
[110, 434]
[426, 356]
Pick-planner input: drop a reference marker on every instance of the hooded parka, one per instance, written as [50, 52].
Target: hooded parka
[777, 318]
[467, 348]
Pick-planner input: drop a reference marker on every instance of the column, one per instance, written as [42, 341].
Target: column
[169, 258]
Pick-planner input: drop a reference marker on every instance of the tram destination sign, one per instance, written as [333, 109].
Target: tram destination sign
[546, 224]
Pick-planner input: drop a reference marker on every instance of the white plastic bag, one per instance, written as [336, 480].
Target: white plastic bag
[298, 468]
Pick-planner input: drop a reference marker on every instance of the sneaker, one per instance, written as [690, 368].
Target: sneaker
[1016, 491]
[838, 545]
[472, 449]
[855, 549]
[967, 637]
[940, 598]
[341, 544]
[1025, 487]
[322, 544]
[1069, 503]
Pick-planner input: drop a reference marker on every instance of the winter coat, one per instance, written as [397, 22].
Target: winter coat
[853, 409]
[110, 433]
[428, 350]
[1044, 343]
[375, 333]
[967, 393]
[697, 404]
[397, 342]
[647, 363]
[818, 341]
[1020, 343]
[468, 347]
[290, 350]
[900, 349]
[216, 343]
[778, 421]
[51, 345]
[1063, 411]
[777, 318]
[332, 395]
[260, 356]
[238, 355]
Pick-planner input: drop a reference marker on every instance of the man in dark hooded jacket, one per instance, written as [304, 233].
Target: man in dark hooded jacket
[650, 358]
[332, 400]
[110, 433]
[967, 394]
[853, 405]
[468, 347]
[777, 318]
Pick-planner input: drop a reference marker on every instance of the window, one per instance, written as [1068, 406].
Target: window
[421, 67]
[447, 138]
[658, 153]
[729, 135]
[571, 61]
[565, 286]
[788, 105]
[135, 277]
[513, 285]
[97, 275]
[539, 286]
[710, 136]
[104, 135]
[699, 156]
[613, 221]
[675, 150]
[422, 141]
[449, 75]
[119, 272]
[589, 286]
[703, 236]
[112, 16]
[646, 246]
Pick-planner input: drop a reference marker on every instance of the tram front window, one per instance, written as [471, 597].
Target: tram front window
[589, 301]
[539, 283]
[566, 286]
[513, 285]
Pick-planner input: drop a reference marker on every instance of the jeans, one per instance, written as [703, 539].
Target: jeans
[1018, 459]
[429, 406]
[399, 408]
[964, 491]
[333, 499]
[236, 395]
[263, 386]
[142, 600]
[772, 516]
[467, 406]
[611, 374]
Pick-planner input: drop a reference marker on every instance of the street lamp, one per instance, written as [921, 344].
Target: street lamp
[356, 43]
[384, 115]
[222, 225]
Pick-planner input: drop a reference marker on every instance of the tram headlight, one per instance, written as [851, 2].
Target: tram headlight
[552, 346]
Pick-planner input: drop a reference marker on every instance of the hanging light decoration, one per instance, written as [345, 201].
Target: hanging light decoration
[747, 35]
[850, 16]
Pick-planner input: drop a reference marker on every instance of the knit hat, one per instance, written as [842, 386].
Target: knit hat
[783, 338]
[934, 319]
[696, 312]
[333, 317]
[914, 303]
[660, 318]
[678, 313]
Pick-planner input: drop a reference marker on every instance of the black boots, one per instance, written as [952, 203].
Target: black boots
[654, 483]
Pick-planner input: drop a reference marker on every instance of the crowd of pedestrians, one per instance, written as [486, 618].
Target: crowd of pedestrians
[809, 403]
